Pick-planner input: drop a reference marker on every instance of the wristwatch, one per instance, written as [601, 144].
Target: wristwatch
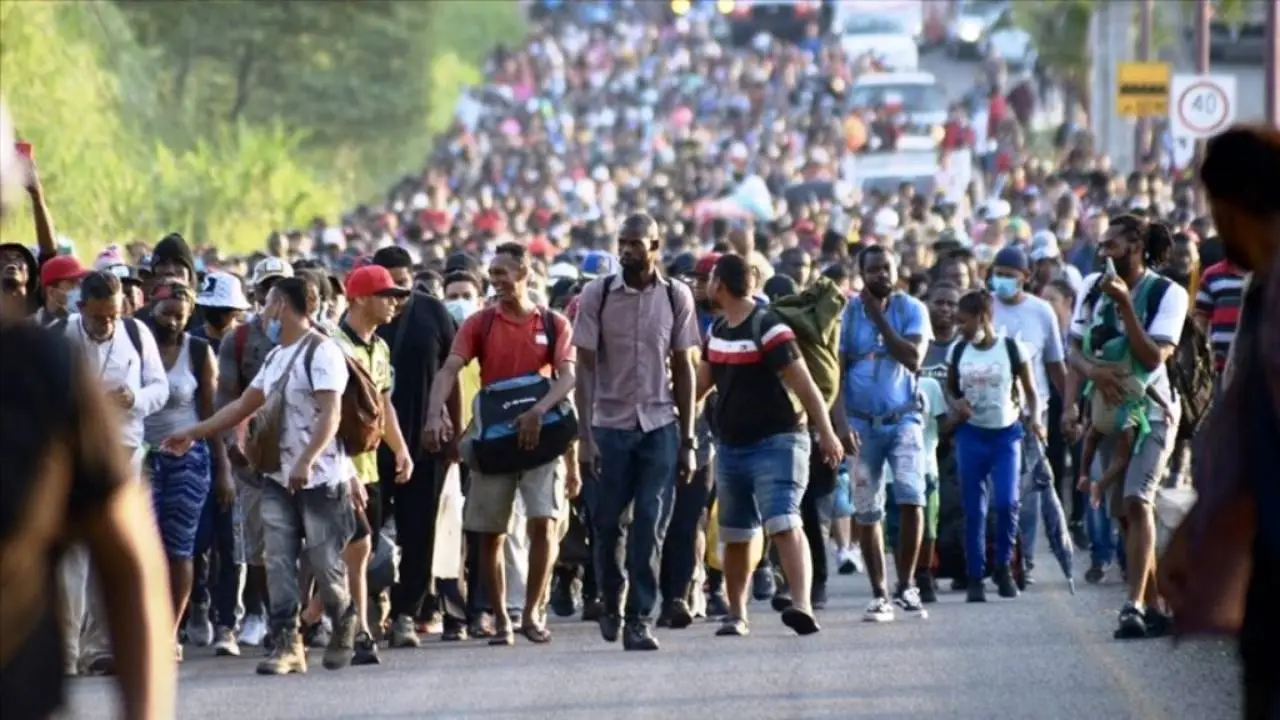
[689, 443]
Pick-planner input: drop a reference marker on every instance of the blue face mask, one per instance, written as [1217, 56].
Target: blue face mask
[73, 299]
[1005, 288]
[460, 309]
[273, 330]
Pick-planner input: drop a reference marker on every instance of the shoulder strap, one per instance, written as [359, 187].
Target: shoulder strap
[757, 327]
[1158, 286]
[548, 318]
[309, 355]
[671, 295]
[953, 373]
[198, 356]
[489, 316]
[1015, 354]
[604, 295]
[404, 320]
[135, 337]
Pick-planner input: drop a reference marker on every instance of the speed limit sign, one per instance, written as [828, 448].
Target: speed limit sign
[1201, 106]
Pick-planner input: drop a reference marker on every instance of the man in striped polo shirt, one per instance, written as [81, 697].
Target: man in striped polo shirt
[1218, 307]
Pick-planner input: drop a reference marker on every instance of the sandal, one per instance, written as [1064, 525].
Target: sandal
[733, 627]
[800, 621]
[502, 637]
[535, 634]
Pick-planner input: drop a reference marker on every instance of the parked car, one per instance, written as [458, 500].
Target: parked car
[884, 37]
[973, 22]
[786, 19]
[916, 97]
[1015, 46]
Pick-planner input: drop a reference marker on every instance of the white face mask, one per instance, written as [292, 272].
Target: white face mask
[460, 308]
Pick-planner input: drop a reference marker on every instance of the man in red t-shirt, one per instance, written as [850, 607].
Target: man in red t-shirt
[509, 340]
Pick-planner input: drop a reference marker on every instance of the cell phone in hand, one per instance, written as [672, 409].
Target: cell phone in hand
[1110, 268]
[24, 148]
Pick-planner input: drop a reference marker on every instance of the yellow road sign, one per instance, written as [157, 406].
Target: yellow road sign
[1142, 89]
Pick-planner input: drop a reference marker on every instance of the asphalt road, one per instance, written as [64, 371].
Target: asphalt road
[1045, 655]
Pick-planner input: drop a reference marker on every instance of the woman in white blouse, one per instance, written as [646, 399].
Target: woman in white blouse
[985, 374]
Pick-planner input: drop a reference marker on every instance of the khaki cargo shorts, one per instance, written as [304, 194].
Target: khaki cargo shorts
[491, 498]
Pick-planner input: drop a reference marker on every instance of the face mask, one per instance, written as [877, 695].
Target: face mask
[273, 330]
[1004, 288]
[460, 309]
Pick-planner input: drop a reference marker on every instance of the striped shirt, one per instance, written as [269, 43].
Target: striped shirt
[753, 402]
[1218, 305]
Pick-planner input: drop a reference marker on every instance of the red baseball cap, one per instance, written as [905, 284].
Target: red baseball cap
[705, 265]
[372, 280]
[62, 267]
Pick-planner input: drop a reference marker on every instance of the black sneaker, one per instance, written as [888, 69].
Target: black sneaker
[592, 611]
[678, 615]
[562, 596]
[763, 583]
[1132, 625]
[818, 597]
[366, 651]
[610, 625]
[1095, 574]
[958, 584]
[1005, 586]
[908, 598]
[976, 593]
[1158, 624]
[637, 636]
[717, 604]
[928, 587]
[781, 600]
[1079, 536]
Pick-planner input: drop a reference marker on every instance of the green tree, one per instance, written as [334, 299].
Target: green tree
[225, 120]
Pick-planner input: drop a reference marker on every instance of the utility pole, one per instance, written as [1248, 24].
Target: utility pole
[1273, 63]
[1204, 12]
[1142, 129]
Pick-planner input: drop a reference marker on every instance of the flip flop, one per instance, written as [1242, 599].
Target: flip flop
[502, 637]
[800, 621]
[535, 634]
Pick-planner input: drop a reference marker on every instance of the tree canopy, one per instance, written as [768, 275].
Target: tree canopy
[227, 120]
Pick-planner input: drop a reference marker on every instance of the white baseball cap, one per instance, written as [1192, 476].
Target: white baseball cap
[222, 290]
[996, 210]
[270, 267]
[1044, 246]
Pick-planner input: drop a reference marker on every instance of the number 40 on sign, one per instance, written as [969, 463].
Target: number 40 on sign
[1201, 106]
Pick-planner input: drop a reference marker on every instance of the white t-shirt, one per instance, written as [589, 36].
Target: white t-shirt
[986, 379]
[1034, 325]
[935, 406]
[1165, 328]
[328, 372]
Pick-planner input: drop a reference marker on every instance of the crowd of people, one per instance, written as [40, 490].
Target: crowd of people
[657, 384]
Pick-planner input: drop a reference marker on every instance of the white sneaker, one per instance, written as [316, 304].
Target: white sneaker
[880, 610]
[849, 561]
[253, 630]
[855, 553]
[199, 629]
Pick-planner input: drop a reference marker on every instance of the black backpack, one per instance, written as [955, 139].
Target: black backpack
[1190, 367]
[135, 338]
[953, 372]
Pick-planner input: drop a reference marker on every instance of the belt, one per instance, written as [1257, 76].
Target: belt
[893, 417]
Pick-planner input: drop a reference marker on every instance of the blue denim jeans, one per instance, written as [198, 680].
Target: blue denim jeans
[220, 559]
[989, 456]
[637, 471]
[901, 447]
[1104, 535]
[761, 484]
